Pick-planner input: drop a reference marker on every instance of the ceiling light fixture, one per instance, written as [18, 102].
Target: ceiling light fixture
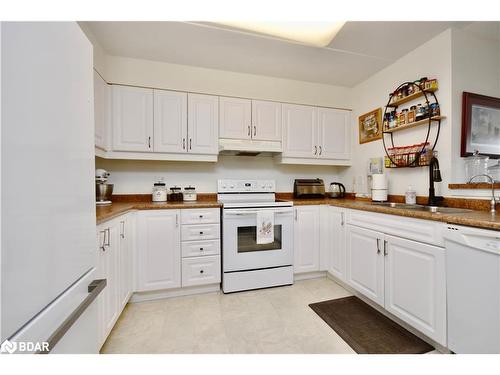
[318, 34]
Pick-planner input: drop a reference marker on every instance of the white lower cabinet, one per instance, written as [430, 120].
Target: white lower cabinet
[415, 285]
[115, 241]
[407, 278]
[158, 250]
[201, 270]
[333, 242]
[306, 239]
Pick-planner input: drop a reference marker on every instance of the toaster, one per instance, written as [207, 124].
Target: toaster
[309, 188]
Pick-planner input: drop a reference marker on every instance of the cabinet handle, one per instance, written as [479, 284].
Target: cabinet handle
[201, 271]
[201, 216]
[176, 220]
[201, 249]
[183, 143]
[254, 130]
[378, 246]
[190, 142]
[109, 240]
[149, 142]
[342, 219]
[201, 232]
[320, 150]
[103, 244]
[249, 131]
[295, 214]
[386, 252]
[122, 234]
[315, 150]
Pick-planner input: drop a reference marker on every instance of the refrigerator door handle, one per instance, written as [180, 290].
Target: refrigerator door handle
[94, 289]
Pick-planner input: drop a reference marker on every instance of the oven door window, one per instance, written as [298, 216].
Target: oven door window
[247, 240]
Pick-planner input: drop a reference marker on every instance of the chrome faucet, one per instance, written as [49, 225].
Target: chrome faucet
[494, 199]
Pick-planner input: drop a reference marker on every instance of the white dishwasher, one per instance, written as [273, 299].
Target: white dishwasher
[473, 289]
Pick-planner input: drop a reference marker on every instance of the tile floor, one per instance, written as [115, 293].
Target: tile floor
[267, 321]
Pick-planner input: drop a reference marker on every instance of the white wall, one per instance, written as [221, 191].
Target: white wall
[122, 70]
[131, 176]
[433, 60]
[476, 68]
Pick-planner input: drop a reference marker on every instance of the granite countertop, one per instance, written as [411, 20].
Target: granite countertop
[474, 218]
[104, 213]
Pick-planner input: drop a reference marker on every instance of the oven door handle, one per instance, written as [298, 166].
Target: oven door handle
[247, 213]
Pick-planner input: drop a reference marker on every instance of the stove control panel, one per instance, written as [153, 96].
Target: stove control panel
[246, 186]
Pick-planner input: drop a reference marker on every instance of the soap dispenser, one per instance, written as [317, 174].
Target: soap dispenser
[410, 196]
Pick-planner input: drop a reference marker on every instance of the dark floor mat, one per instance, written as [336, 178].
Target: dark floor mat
[366, 330]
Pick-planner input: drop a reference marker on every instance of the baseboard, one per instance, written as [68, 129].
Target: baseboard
[169, 293]
[309, 275]
[380, 309]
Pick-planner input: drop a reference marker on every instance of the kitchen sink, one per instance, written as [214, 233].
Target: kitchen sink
[418, 207]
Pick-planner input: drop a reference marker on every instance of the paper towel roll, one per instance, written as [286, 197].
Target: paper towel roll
[379, 181]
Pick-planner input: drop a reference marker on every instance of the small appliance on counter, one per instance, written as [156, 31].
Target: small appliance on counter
[103, 190]
[309, 188]
[337, 190]
[159, 191]
[379, 188]
[189, 194]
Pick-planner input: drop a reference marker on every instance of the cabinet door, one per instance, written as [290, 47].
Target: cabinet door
[306, 239]
[170, 121]
[159, 252]
[299, 131]
[415, 285]
[203, 124]
[334, 133]
[336, 240]
[101, 112]
[365, 262]
[125, 260]
[132, 118]
[235, 118]
[109, 270]
[266, 121]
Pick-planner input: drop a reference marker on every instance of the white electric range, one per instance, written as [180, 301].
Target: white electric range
[245, 263]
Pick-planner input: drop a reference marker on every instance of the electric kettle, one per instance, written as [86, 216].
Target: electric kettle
[337, 190]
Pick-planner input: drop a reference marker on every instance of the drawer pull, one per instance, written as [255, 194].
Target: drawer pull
[201, 232]
[201, 216]
[201, 249]
[201, 271]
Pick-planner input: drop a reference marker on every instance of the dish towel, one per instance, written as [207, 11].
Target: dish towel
[265, 227]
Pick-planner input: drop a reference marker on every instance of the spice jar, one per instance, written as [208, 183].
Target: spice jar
[404, 117]
[434, 110]
[189, 194]
[392, 120]
[420, 112]
[412, 114]
[175, 194]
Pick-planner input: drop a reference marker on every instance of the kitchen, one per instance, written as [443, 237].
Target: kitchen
[219, 205]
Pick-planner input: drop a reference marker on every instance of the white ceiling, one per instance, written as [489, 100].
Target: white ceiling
[358, 51]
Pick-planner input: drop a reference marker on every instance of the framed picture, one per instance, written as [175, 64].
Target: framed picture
[370, 126]
[480, 125]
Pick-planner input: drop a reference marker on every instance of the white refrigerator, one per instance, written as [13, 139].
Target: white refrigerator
[48, 229]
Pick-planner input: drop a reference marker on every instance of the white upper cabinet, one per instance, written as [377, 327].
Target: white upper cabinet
[170, 121]
[203, 124]
[132, 118]
[235, 118]
[334, 133]
[266, 121]
[299, 131]
[101, 112]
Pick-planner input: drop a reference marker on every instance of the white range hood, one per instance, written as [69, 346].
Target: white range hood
[248, 147]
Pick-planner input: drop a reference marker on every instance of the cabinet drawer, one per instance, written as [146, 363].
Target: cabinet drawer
[200, 216]
[200, 270]
[200, 248]
[200, 232]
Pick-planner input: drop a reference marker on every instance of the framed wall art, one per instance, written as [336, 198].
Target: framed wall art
[370, 126]
[480, 125]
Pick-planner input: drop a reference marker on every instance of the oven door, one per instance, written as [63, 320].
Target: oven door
[240, 248]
